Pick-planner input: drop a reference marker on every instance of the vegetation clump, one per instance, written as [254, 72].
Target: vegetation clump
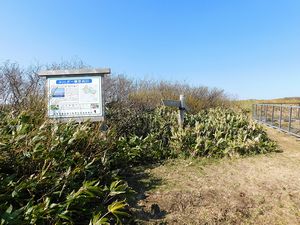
[70, 173]
[220, 132]
[65, 173]
[56, 173]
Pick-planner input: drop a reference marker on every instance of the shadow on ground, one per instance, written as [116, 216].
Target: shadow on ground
[141, 181]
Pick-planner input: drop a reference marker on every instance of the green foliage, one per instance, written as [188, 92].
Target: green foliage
[216, 132]
[146, 139]
[220, 132]
[55, 173]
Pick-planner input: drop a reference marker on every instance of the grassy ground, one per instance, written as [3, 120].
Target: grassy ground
[263, 189]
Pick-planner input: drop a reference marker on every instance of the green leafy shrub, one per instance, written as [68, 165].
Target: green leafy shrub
[146, 140]
[216, 132]
[220, 132]
[56, 173]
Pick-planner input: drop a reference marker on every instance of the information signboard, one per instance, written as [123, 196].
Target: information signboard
[75, 95]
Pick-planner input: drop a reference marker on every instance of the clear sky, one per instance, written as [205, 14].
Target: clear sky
[249, 48]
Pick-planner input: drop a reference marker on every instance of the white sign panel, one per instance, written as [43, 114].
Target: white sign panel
[71, 97]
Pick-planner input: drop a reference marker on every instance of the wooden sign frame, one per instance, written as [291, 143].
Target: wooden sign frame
[75, 95]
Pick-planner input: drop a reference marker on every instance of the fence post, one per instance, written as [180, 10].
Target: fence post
[266, 113]
[256, 111]
[260, 117]
[280, 117]
[290, 119]
[299, 113]
[181, 110]
[273, 109]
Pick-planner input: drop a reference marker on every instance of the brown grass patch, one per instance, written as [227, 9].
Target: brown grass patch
[263, 189]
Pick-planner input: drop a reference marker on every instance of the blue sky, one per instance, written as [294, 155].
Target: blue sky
[249, 48]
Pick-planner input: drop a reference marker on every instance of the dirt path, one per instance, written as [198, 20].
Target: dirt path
[263, 189]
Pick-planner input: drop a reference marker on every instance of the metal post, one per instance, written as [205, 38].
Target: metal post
[290, 119]
[260, 118]
[255, 111]
[280, 117]
[266, 113]
[273, 109]
[299, 114]
[181, 110]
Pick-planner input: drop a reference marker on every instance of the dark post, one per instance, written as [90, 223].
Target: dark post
[261, 112]
[266, 113]
[280, 117]
[290, 119]
[299, 113]
[255, 111]
[273, 109]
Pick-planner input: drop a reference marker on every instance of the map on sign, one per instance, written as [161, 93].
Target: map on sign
[74, 97]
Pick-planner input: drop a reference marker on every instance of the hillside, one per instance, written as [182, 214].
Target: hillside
[247, 104]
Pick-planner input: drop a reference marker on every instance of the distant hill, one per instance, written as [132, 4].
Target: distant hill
[285, 100]
[247, 104]
[291, 98]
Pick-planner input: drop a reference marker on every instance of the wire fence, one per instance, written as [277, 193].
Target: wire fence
[279, 116]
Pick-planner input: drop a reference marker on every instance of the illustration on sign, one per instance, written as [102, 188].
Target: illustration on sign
[75, 96]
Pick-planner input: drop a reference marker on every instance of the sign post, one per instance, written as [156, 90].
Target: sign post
[178, 104]
[181, 110]
[75, 94]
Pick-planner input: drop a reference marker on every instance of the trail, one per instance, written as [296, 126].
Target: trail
[263, 189]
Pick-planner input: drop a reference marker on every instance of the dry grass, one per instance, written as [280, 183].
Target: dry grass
[247, 104]
[255, 190]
